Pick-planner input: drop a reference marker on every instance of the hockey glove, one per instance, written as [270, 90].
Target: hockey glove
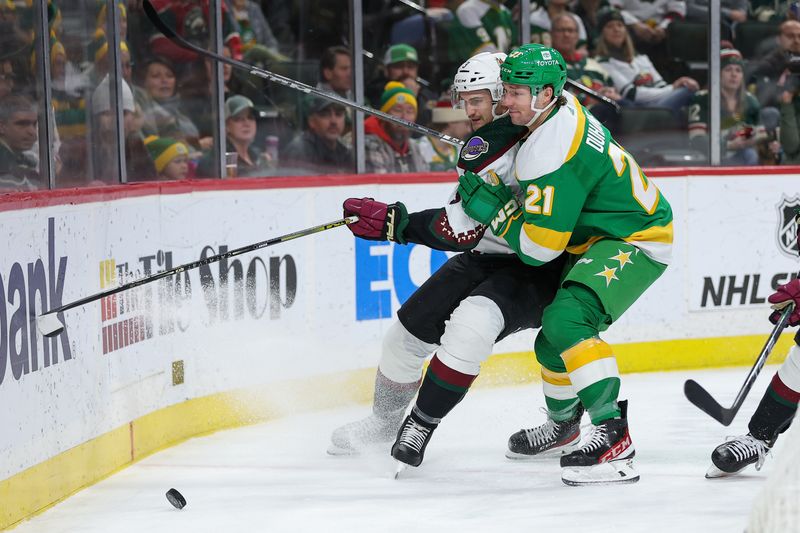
[491, 205]
[377, 221]
[785, 295]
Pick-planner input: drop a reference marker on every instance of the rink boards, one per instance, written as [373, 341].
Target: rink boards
[298, 326]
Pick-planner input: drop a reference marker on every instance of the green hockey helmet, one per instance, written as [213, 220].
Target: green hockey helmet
[536, 66]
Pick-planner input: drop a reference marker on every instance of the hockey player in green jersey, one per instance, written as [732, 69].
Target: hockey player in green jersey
[476, 298]
[586, 196]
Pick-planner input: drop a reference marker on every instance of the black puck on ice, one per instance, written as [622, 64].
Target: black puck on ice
[176, 499]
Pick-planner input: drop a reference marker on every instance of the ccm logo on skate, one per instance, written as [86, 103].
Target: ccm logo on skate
[385, 270]
[27, 291]
[618, 449]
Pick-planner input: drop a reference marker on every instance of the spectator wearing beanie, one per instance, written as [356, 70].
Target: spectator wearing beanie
[170, 157]
[438, 154]
[633, 74]
[386, 144]
[740, 122]
[401, 63]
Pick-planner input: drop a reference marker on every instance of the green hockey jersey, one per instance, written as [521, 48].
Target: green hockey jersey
[480, 26]
[580, 187]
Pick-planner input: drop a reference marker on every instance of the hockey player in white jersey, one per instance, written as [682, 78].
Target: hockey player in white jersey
[778, 406]
[476, 298]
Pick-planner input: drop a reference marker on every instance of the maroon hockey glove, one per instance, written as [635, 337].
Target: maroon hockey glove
[377, 221]
[785, 295]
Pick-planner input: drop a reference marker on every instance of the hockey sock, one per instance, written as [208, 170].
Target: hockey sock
[593, 372]
[442, 388]
[560, 398]
[392, 398]
[775, 412]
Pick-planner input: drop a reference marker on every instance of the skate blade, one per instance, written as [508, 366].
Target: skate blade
[399, 467]
[554, 452]
[612, 473]
[715, 473]
[338, 451]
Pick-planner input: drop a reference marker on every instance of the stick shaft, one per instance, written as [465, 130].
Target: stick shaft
[201, 262]
[170, 34]
[762, 357]
[594, 94]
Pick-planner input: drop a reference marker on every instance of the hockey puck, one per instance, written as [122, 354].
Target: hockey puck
[176, 499]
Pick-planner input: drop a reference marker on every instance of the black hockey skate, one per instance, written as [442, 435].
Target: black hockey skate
[733, 455]
[549, 439]
[605, 457]
[412, 438]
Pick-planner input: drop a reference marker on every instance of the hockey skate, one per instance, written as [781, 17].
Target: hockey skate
[605, 458]
[412, 439]
[733, 455]
[547, 440]
[358, 436]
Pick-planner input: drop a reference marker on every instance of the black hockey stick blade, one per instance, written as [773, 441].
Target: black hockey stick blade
[50, 324]
[706, 403]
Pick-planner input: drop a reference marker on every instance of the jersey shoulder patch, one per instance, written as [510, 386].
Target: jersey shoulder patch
[489, 143]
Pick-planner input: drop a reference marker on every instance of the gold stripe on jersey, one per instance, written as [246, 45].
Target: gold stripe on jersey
[579, 129]
[580, 249]
[586, 352]
[547, 238]
[662, 234]
[555, 378]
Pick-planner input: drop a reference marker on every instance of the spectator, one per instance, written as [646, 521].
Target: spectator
[740, 124]
[765, 72]
[649, 19]
[480, 26]
[790, 119]
[320, 148]
[138, 165]
[254, 30]
[543, 16]
[336, 72]
[189, 18]
[634, 75]
[160, 105]
[438, 154]
[240, 127]
[18, 134]
[587, 10]
[580, 67]
[401, 63]
[386, 144]
[170, 157]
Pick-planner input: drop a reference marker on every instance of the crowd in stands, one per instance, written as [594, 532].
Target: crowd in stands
[630, 52]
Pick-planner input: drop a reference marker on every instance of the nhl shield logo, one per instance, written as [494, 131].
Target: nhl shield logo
[787, 225]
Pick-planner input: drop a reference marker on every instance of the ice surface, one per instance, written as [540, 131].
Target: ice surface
[277, 477]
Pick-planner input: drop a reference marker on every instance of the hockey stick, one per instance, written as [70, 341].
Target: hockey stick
[594, 94]
[170, 34]
[703, 400]
[50, 324]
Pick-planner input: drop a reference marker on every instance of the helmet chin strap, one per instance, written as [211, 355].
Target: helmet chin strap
[538, 112]
[495, 116]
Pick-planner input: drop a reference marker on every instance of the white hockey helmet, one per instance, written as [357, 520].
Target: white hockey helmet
[481, 71]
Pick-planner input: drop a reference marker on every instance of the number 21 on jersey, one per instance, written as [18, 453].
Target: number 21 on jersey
[643, 191]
